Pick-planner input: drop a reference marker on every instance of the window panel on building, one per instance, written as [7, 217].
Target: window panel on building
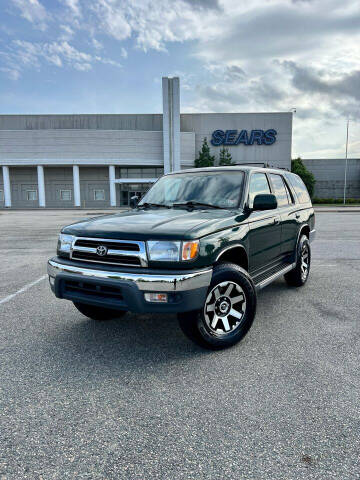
[99, 195]
[31, 195]
[65, 195]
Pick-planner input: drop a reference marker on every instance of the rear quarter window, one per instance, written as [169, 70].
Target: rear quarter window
[300, 188]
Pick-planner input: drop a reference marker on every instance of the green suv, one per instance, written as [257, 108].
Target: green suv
[201, 243]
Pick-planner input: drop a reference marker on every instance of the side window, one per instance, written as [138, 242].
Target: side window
[288, 191]
[258, 185]
[280, 191]
[299, 187]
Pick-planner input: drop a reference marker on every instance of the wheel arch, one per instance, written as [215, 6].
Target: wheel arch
[304, 230]
[235, 254]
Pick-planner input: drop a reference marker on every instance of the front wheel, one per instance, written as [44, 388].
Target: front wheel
[98, 313]
[298, 276]
[228, 312]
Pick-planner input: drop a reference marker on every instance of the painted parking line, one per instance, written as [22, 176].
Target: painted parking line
[23, 289]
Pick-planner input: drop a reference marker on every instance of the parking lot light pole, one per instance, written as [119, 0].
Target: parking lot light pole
[346, 159]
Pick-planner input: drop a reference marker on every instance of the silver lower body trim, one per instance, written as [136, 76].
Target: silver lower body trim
[273, 277]
[149, 282]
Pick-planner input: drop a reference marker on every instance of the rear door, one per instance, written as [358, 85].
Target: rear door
[265, 228]
[288, 214]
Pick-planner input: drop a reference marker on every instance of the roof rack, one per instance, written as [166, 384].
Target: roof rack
[262, 165]
[256, 164]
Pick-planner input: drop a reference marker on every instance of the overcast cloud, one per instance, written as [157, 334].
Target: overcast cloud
[238, 56]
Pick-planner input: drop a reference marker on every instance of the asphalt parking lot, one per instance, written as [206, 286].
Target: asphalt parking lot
[134, 399]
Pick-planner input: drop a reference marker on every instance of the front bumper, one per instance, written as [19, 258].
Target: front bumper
[124, 290]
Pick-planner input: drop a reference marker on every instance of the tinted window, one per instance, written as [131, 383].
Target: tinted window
[279, 190]
[258, 186]
[300, 189]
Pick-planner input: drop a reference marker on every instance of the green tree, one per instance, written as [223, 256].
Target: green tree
[225, 157]
[307, 177]
[204, 159]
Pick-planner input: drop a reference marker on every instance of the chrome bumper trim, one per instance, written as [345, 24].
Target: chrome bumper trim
[312, 235]
[144, 281]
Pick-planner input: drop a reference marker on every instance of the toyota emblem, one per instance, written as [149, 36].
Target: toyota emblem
[101, 251]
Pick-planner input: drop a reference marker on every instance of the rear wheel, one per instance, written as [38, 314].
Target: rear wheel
[98, 313]
[228, 312]
[299, 275]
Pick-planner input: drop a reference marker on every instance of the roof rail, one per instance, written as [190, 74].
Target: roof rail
[262, 165]
[255, 164]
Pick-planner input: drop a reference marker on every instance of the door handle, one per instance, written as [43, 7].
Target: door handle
[297, 215]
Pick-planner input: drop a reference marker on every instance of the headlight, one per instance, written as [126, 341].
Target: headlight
[164, 251]
[64, 243]
[169, 251]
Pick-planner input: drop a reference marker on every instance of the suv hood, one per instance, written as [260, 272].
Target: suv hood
[156, 223]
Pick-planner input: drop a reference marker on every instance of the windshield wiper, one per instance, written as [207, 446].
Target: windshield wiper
[194, 203]
[148, 205]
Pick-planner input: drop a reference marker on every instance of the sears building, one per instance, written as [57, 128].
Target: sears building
[91, 161]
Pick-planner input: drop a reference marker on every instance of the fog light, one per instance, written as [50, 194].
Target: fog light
[156, 297]
[52, 281]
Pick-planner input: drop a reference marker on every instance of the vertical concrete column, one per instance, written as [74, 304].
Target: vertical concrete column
[171, 123]
[112, 186]
[41, 185]
[7, 187]
[76, 181]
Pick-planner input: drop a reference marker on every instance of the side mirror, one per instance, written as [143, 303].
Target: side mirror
[265, 202]
[134, 201]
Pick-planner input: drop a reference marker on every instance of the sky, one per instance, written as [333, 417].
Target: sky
[108, 56]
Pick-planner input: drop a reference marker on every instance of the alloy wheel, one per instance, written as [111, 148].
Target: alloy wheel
[305, 261]
[225, 308]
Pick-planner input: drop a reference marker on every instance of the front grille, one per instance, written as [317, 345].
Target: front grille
[116, 252]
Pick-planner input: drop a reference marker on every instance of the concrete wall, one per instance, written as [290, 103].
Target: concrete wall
[329, 175]
[278, 154]
[2, 189]
[81, 146]
[147, 122]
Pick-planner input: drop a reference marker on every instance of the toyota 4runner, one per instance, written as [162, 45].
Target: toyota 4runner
[201, 243]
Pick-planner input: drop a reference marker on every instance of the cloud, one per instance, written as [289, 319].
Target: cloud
[74, 6]
[60, 54]
[12, 73]
[33, 11]
[310, 80]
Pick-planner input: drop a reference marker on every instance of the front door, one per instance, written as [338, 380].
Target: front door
[265, 228]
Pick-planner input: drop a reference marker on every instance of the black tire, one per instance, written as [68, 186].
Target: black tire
[98, 313]
[298, 277]
[197, 325]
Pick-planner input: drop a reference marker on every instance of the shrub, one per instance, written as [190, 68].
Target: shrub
[204, 159]
[307, 177]
[225, 157]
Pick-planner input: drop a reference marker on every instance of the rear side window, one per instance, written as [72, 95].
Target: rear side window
[258, 185]
[280, 190]
[300, 189]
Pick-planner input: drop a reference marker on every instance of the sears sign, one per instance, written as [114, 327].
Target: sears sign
[233, 137]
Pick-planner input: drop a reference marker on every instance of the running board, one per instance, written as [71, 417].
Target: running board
[274, 276]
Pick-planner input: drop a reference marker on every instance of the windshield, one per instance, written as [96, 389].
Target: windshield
[221, 189]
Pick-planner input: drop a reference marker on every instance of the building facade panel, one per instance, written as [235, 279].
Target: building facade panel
[330, 177]
[277, 154]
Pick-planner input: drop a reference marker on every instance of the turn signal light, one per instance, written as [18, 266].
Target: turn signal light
[156, 297]
[190, 250]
